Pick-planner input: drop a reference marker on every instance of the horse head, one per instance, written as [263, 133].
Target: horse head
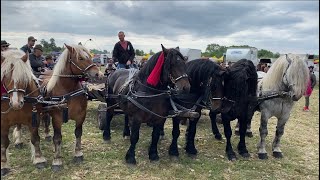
[16, 76]
[81, 62]
[175, 70]
[295, 76]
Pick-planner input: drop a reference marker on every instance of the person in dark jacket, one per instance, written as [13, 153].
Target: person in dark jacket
[49, 62]
[29, 47]
[123, 52]
[4, 45]
[311, 84]
[37, 60]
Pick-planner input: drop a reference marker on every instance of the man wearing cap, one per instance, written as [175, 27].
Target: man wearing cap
[36, 60]
[4, 45]
[29, 47]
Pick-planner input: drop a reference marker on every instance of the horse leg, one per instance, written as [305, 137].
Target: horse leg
[106, 132]
[130, 156]
[277, 153]
[46, 120]
[249, 131]
[262, 153]
[153, 150]
[214, 127]
[78, 155]
[228, 132]
[173, 150]
[4, 150]
[57, 139]
[36, 155]
[242, 149]
[126, 130]
[17, 137]
[190, 134]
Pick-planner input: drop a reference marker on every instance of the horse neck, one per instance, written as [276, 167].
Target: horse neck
[33, 90]
[66, 84]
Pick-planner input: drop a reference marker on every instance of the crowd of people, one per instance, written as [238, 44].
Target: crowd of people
[123, 54]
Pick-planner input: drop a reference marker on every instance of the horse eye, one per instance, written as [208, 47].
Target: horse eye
[80, 58]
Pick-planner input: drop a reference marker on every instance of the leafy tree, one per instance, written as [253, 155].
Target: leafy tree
[139, 52]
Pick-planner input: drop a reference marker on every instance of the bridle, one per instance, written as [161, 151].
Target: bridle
[287, 84]
[79, 68]
[174, 81]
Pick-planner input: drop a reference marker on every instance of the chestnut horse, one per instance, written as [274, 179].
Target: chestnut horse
[74, 63]
[19, 82]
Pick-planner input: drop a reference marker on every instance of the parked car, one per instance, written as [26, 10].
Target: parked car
[97, 61]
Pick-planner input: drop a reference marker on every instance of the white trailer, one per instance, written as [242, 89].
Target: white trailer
[234, 54]
[191, 54]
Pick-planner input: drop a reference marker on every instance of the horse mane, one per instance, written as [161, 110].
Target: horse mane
[199, 72]
[59, 68]
[297, 74]
[21, 71]
[148, 67]
[241, 80]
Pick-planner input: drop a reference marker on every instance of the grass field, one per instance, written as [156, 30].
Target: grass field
[300, 146]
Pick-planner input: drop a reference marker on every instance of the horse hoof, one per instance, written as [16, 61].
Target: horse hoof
[18, 146]
[262, 155]
[41, 165]
[277, 155]
[232, 157]
[78, 159]
[131, 161]
[5, 171]
[154, 157]
[237, 133]
[218, 137]
[56, 168]
[126, 137]
[249, 134]
[174, 158]
[48, 138]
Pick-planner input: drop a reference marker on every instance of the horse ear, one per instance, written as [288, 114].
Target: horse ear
[69, 47]
[177, 48]
[25, 57]
[164, 49]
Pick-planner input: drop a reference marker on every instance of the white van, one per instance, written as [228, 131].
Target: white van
[234, 54]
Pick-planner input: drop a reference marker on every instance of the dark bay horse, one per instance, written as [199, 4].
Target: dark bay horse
[74, 62]
[18, 80]
[146, 100]
[206, 79]
[240, 85]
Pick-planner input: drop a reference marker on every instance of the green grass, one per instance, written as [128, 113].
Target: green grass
[300, 146]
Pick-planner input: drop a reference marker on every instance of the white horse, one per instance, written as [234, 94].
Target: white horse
[288, 74]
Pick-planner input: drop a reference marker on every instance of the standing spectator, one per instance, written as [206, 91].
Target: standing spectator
[311, 83]
[4, 45]
[29, 47]
[123, 52]
[37, 60]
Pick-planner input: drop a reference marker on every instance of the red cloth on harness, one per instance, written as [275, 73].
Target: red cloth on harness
[3, 90]
[154, 76]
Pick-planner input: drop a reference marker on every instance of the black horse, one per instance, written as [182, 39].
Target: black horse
[240, 86]
[206, 79]
[145, 103]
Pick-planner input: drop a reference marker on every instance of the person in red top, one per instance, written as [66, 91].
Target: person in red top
[123, 52]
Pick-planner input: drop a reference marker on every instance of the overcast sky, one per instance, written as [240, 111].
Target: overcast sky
[285, 26]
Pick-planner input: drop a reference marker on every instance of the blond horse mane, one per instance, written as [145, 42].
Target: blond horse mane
[59, 68]
[21, 71]
[297, 74]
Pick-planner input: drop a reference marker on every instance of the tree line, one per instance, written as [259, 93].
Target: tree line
[211, 50]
